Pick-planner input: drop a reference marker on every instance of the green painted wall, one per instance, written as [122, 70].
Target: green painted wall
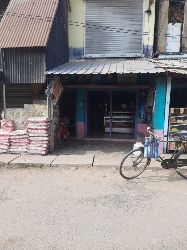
[80, 105]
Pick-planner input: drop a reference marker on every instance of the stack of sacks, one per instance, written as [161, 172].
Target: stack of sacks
[6, 128]
[4, 142]
[18, 141]
[39, 135]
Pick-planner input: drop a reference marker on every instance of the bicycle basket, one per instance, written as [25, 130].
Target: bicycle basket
[151, 148]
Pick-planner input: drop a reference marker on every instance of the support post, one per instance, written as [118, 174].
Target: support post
[48, 106]
[136, 113]
[4, 100]
[81, 113]
[111, 114]
[168, 91]
[51, 129]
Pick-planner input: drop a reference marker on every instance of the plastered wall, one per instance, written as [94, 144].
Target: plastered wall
[76, 33]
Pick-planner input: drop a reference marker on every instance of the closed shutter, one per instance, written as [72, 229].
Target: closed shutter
[113, 28]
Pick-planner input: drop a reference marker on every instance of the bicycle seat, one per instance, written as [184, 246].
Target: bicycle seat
[180, 135]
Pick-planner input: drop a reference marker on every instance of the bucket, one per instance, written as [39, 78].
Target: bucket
[151, 148]
[147, 147]
[136, 146]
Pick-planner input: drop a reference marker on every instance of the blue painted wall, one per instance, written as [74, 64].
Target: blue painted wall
[76, 53]
[147, 50]
[160, 96]
[57, 46]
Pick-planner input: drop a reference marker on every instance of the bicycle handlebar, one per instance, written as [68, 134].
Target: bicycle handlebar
[153, 134]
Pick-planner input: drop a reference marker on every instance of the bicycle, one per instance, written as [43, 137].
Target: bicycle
[137, 160]
[62, 132]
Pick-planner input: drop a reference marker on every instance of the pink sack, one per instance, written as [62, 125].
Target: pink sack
[7, 125]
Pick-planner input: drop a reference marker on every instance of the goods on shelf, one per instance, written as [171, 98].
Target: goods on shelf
[39, 135]
[174, 130]
[18, 141]
[122, 121]
[177, 123]
[172, 119]
[4, 142]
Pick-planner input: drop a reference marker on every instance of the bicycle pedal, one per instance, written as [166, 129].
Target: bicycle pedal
[159, 160]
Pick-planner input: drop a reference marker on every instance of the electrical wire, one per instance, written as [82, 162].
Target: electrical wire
[93, 26]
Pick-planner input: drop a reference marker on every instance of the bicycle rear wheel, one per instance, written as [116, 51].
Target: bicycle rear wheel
[61, 141]
[133, 164]
[180, 163]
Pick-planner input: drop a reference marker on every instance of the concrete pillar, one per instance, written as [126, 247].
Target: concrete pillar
[80, 113]
[162, 25]
[184, 33]
[159, 108]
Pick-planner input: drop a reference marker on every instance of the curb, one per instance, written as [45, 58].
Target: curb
[67, 166]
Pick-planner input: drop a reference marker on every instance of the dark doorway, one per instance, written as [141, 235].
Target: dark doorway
[98, 106]
[67, 107]
[123, 104]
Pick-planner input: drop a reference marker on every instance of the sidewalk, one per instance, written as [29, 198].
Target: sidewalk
[84, 153]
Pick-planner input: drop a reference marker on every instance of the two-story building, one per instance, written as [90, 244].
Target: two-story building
[109, 81]
[111, 86]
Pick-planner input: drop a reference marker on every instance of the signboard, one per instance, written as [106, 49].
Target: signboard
[54, 90]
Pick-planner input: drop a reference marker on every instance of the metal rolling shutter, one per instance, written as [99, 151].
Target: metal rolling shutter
[113, 28]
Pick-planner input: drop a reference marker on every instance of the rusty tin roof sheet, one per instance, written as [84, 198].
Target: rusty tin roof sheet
[27, 23]
[178, 66]
[107, 66]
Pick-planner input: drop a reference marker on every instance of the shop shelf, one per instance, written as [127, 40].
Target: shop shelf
[122, 122]
[178, 115]
[182, 127]
[177, 124]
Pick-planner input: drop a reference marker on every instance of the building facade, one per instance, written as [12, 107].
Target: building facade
[109, 77]
[120, 62]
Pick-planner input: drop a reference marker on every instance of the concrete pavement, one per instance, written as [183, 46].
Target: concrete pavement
[64, 161]
[85, 153]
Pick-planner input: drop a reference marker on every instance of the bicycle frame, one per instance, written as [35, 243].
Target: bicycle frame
[169, 162]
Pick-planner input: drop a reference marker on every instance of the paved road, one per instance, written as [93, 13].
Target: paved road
[54, 208]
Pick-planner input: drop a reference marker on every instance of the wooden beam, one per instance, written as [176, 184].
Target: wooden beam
[107, 87]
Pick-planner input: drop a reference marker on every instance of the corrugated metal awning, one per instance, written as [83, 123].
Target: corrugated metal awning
[178, 66]
[120, 66]
[27, 23]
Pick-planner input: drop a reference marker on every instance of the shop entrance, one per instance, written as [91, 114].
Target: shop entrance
[67, 107]
[120, 104]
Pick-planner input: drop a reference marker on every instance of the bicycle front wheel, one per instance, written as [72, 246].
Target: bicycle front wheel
[133, 164]
[180, 163]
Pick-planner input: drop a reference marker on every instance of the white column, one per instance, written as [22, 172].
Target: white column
[166, 119]
[52, 129]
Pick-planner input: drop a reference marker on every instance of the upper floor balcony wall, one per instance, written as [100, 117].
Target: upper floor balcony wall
[171, 27]
[105, 29]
